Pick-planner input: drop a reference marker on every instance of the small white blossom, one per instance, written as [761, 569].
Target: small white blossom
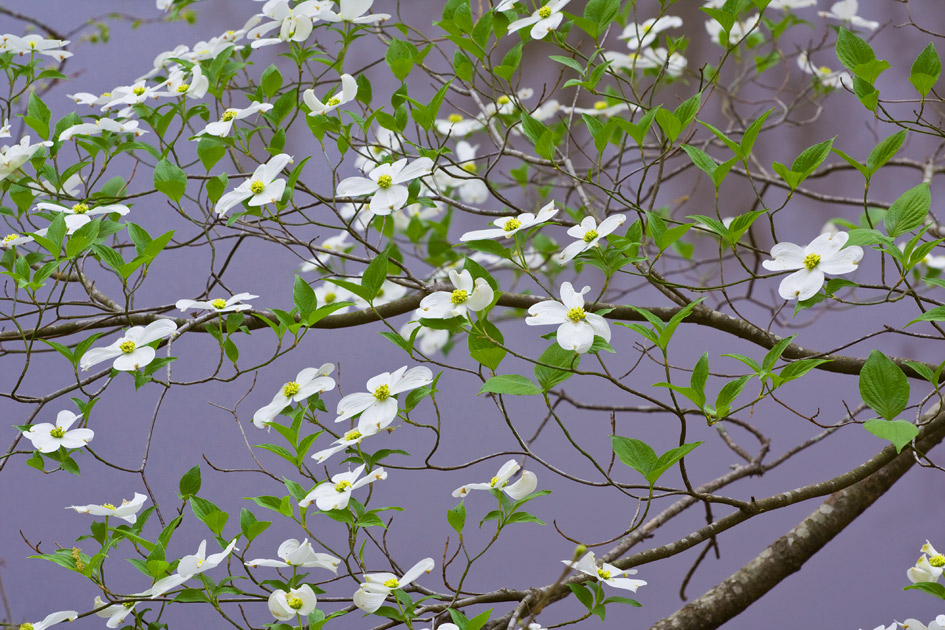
[349, 90]
[466, 296]
[286, 605]
[223, 126]
[219, 305]
[577, 328]
[386, 184]
[929, 566]
[15, 156]
[642, 35]
[589, 234]
[377, 586]
[199, 562]
[606, 573]
[80, 213]
[833, 79]
[378, 406]
[355, 11]
[335, 494]
[295, 554]
[307, 383]
[51, 620]
[507, 226]
[846, 11]
[99, 126]
[36, 44]
[127, 511]
[47, 438]
[350, 438]
[518, 490]
[822, 256]
[261, 189]
[543, 20]
[130, 351]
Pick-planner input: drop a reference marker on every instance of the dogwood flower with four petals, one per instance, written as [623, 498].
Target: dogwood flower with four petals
[14, 239]
[47, 438]
[429, 340]
[335, 494]
[589, 234]
[100, 126]
[294, 23]
[824, 255]
[131, 349]
[929, 567]
[466, 296]
[51, 620]
[178, 84]
[518, 490]
[833, 79]
[544, 20]
[199, 562]
[33, 44]
[386, 184]
[223, 126]
[284, 605]
[377, 586]
[508, 226]
[219, 305]
[15, 156]
[642, 35]
[115, 613]
[296, 554]
[378, 406]
[80, 213]
[606, 573]
[846, 11]
[354, 11]
[308, 382]
[350, 438]
[577, 327]
[349, 90]
[262, 188]
[913, 624]
[127, 511]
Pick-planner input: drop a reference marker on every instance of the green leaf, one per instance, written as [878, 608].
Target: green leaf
[899, 432]
[908, 211]
[210, 150]
[936, 314]
[482, 348]
[884, 151]
[883, 386]
[190, 483]
[400, 57]
[932, 588]
[925, 70]
[564, 361]
[456, 517]
[304, 298]
[513, 384]
[668, 459]
[170, 179]
[635, 453]
[375, 275]
[270, 81]
[601, 13]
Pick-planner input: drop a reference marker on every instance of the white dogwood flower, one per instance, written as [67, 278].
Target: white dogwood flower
[15, 156]
[518, 490]
[308, 382]
[47, 438]
[378, 406]
[647, 58]
[219, 305]
[822, 256]
[36, 44]
[296, 554]
[99, 126]
[199, 562]
[261, 189]
[349, 90]
[458, 125]
[543, 20]
[601, 108]
[354, 11]
[116, 613]
[913, 624]
[642, 35]
[223, 126]
[833, 79]
[377, 586]
[80, 214]
[294, 23]
[5, 129]
[50, 620]
[462, 177]
[386, 184]
[507, 226]
[929, 567]
[466, 296]
[193, 86]
[335, 494]
[791, 5]
[429, 340]
[284, 605]
[328, 293]
[846, 11]
[131, 351]
[577, 328]
[606, 573]
[127, 511]
[350, 438]
[589, 234]
[13, 239]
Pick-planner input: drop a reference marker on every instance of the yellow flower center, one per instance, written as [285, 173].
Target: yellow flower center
[183, 87]
[330, 297]
[391, 583]
[294, 602]
[138, 91]
[57, 432]
[385, 181]
[10, 237]
[229, 115]
[104, 94]
[603, 574]
[824, 70]
[32, 44]
[127, 347]
[576, 314]
[108, 506]
[257, 186]
[341, 486]
[352, 435]
[511, 225]
[454, 118]
[503, 100]
[811, 261]
[218, 303]
[493, 481]
[290, 389]
[333, 101]
[230, 33]
[469, 167]
[26, 626]
[599, 105]
[590, 235]
[937, 561]
[459, 296]
[382, 392]
[544, 12]
[80, 208]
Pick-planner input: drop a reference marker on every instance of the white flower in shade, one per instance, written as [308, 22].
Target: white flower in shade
[36, 44]
[115, 613]
[642, 35]
[430, 340]
[15, 156]
[178, 83]
[51, 620]
[99, 126]
[386, 184]
[296, 554]
[462, 177]
[388, 292]
[164, 5]
[134, 94]
[385, 143]
[219, 305]
[5, 129]
[546, 110]
[466, 296]
[648, 58]
[929, 567]
[350, 438]
[328, 293]
[404, 216]
[349, 90]
[833, 79]
[507, 226]
[131, 351]
[504, 5]
[458, 125]
[294, 23]
[199, 562]
[354, 11]
[80, 213]
[518, 490]
[912, 624]
[378, 406]
[606, 573]
[14, 239]
[223, 126]
[262, 188]
[845, 11]
[739, 29]
[577, 327]
[589, 234]
[337, 243]
[377, 586]
[601, 108]
[506, 105]
[299, 602]
[127, 511]
[791, 5]
[47, 438]
[335, 494]
[543, 21]
[308, 382]
[822, 256]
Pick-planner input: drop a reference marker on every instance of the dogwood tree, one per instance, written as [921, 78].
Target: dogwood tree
[306, 194]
